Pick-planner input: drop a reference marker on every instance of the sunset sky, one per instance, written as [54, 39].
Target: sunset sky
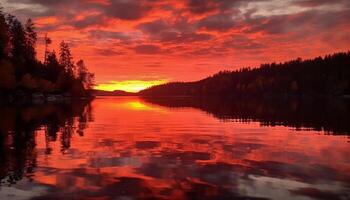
[132, 44]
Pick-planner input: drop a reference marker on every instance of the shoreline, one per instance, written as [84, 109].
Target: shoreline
[40, 98]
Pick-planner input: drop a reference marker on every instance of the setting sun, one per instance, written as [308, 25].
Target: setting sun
[129, 85]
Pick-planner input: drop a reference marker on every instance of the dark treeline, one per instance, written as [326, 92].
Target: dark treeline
[327, 76]
[321, 114]
[19, 125]
[21, 72]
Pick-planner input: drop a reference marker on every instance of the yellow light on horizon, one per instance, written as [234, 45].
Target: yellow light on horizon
[129, 85]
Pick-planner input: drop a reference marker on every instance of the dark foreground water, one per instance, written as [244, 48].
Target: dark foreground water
[179, 148]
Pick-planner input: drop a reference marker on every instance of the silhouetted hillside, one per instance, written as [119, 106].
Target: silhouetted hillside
[329, 76]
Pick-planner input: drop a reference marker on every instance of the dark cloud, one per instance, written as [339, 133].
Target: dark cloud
[205, 6]
[242, 42]
[209, 51]
[242, 45]
[66, 9]
[201, 6]
[194, 37]
[166, 36]
[319, 194]
[154, 27]
[108, 52]
[147, 49]
[127, 10]
[179, 32]
[89, 21]
[41, 2]
[308, 22]
[315, 3]
[173, 37]
[118, 9]
[218, 22]
[99, 34]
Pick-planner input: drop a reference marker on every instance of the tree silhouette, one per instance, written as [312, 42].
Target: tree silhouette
[17, 39]
[66, 59]
[30, 40]
[47, 42]
[53, 67]
[4, 39]
[7, 74]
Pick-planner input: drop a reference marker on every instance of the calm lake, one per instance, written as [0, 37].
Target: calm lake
[178, 148]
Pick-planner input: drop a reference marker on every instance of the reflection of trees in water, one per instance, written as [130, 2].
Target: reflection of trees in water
[20, 124]
[18, 157]
[330, 115]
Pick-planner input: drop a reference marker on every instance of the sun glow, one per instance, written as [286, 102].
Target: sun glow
[129, 85]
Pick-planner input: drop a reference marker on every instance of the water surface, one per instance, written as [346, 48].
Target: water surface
[134, 148]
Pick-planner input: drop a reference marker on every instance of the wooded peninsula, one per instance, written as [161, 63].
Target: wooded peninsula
[23, 76]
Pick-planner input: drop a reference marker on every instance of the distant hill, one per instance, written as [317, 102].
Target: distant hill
[112, 93]
[325, 76]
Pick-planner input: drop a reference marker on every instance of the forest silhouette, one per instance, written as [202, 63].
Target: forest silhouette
[23, 74]
[321, 76]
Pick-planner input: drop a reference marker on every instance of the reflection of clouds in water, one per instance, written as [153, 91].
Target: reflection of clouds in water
[260, 186]
[218, 180]
[95, 185]
[182, 153]
[115, 162]
[240, 150]
[23, 190]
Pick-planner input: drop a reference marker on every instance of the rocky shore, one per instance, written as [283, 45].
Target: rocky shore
[22, 97]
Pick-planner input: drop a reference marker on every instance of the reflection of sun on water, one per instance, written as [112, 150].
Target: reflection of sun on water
[141, 106]
[138, 105]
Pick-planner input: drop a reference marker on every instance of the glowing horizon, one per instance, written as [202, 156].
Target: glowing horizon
[128, 85]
